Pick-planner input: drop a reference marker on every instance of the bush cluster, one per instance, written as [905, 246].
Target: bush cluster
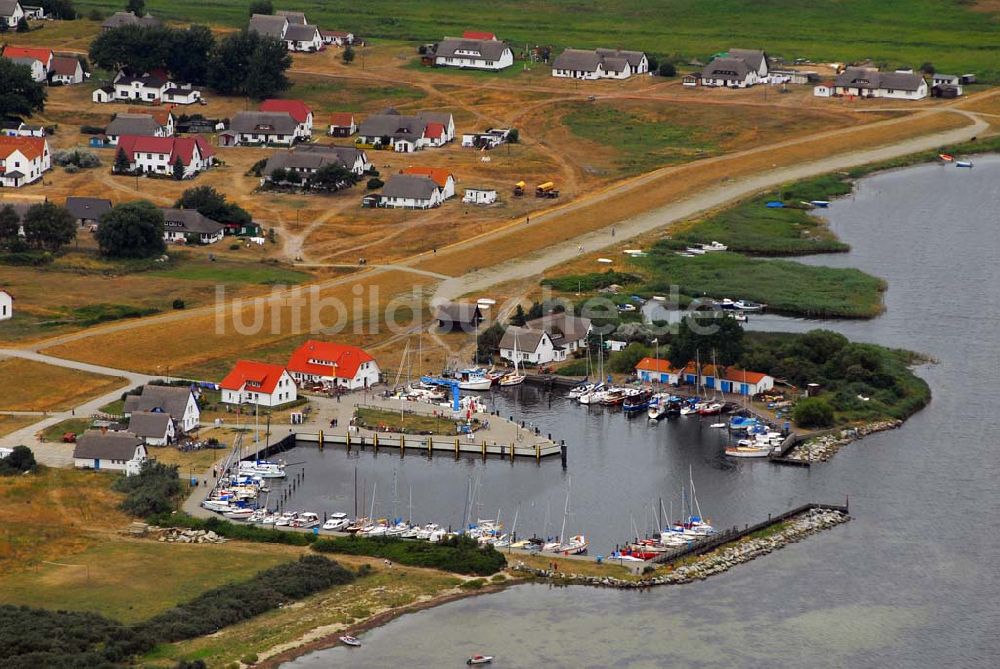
[230, 604]
[154, 490]
[76, 157]
[239, 531]
[461, 555]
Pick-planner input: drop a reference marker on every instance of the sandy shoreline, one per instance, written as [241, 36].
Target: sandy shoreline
[379, 619]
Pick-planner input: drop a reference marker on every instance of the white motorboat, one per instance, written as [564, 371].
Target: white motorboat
[695, 250]
[306, 520]
[747, 305]
[338, 522]
[657, 406]
[577, 391]
[715, 246]
[726, 303]
[239, 514]
[217, 505]
[479, 659]
[473, 379]
[349, 640]
[285, 519]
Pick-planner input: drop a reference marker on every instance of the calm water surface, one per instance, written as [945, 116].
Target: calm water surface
[912, 581]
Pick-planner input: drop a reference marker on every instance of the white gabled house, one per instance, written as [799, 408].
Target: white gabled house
[297, 109]
[477, 54]
[109, 451]
[534, 346]
[11, 13]
[259, 127]
[258, 383]
[290, 28]
[333, 365]
[154, 428]
[406, 134]
[740, 68]
[6, 305]
[411, 191]
[176, 401]
[306, 159]
[870, 83]
[599, 64]
[23, 160]
[66, 70]
[442, 177]
[180, 225]
[35, 66]
[157, 155]
[479, 196]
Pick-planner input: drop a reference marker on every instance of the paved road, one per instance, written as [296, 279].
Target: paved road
[704, 200]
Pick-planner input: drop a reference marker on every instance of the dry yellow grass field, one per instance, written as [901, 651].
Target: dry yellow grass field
[12, 423]
[41, 387]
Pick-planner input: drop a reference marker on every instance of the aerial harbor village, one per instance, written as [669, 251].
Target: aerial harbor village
[313, 315]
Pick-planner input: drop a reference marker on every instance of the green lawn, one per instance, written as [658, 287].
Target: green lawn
[644, 142]
[75, 425]
[751, 227]
[898, 32]
[134, 580]
[785, 286]
[232, 272]
[409, 423]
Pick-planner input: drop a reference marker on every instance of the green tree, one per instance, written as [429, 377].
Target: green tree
[624, 362]
[18, 461]
[261, 7]
[19, 94]
[927, 68]
[187, 58]
[667, 69]
[333, 177]
[519, 318]
[122, 163]
[137, 49]
[489, 342]
[250, 64]
[48, 226]
[348, 55]
[813, 412]
[137, 7]
[131, 230]
[711, 335]
[178, 169]
[10, 223]
[513, 136]
[213, 204]
[22, 25]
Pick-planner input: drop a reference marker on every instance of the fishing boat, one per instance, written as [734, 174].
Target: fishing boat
[479, 659]
[349, 640]
[613, 397]
[636, 400]
[473, 379]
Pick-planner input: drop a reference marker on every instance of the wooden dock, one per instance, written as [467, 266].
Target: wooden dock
[459, 445]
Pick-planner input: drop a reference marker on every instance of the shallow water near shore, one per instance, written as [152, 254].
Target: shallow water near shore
[911, 581]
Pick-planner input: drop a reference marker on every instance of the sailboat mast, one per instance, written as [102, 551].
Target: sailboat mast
[562, 532]
[371, 516]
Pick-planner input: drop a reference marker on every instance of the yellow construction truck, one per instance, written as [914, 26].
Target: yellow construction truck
[519, 188]
[547, 189]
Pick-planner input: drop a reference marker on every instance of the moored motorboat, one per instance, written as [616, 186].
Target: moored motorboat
[745, 448]
[337, 522]
[479, 659]
[473, 379]
[349, 640]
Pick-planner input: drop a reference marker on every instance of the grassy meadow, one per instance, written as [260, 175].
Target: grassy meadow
[952, 35]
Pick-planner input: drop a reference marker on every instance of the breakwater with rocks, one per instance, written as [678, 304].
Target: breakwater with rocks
[721, 559]
[822, 448]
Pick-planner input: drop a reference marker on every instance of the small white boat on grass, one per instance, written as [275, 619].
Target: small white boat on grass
[479, 659]
[714, 246]
[349, 640]
[695, 250]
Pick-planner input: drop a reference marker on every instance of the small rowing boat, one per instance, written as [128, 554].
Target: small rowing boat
[963, 163]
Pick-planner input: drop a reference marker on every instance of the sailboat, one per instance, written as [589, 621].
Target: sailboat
[574, 545]
[515, 378]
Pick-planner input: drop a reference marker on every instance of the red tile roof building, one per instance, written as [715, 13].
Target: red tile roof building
[23, 160]
[258, 383]
[333, 364]
[297, 109]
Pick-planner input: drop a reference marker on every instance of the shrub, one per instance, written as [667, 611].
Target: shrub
[513, 136]
[178, 304]
[375, 183]
[461, 555]
[78, 157]
[154, 490]
[667, 69]
[813, 412]
[234, 247]
[20, 460]
[233, 603]
[224, 528]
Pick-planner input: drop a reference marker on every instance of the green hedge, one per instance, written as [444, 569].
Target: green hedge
[461, 555]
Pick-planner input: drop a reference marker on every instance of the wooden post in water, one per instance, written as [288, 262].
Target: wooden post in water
[348, 439]
[456, 448]
[375, 441]
[512, 451]
[402, 444]
[538, 452]
[321, 440]
[430, 441]
[484, 449]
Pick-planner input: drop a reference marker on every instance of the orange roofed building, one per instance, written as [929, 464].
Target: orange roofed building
[331, 364]
[441, 176]
[23, 160]
[258, 383]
